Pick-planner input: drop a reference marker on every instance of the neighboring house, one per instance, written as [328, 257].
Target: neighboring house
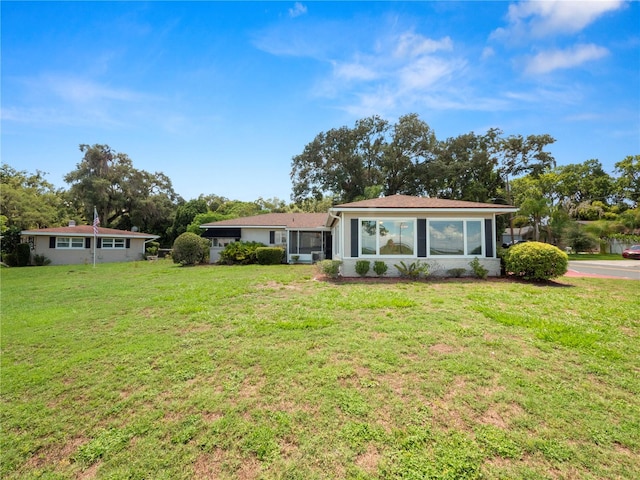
[303, 235]
[519, 235]
[444, 233]
[75, 244]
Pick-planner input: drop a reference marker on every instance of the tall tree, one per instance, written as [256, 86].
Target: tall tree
[628, 183]
[123, 195]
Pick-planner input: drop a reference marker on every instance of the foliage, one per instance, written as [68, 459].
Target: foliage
[23, 252]
[184, 216]
[330, 268]
[28, 200]
[380, 268]
[536, 261]
[240, 253]
[190, 249]
[578, 239]
[152, 248]
[10, 259]
[414, 270]
[628, 181]
[362, 267]
[478, 269]
[41, 260]
[376, 157]
[269, 255]
[202, 218]
[123, 196]
[456, 272]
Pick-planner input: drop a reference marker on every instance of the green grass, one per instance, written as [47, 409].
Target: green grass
[596, 256]
[150, 370]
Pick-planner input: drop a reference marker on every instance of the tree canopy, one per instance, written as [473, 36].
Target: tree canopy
[377, 157]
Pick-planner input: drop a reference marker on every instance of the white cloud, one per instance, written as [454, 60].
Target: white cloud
[354, 71]
[297, 10]
[413, 45]
[545, 62]
[542, 18]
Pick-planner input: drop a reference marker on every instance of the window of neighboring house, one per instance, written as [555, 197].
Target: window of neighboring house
[280, 238]
[69, 242]
[221, 242]
[388, 237]
[113, 243]
[455, 237]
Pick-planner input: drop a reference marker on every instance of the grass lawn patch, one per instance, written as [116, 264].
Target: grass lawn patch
[151, 370]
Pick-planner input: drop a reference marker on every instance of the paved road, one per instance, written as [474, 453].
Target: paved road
[629, 269]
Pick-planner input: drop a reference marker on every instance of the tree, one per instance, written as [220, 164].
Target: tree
[123, 196]
[28, 200]
[185, 213]
[341, 162]
[628, 183]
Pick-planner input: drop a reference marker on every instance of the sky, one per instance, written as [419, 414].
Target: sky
[220, 96]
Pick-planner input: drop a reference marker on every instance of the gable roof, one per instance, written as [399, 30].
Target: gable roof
[275, 220]
[87, 231]
[407, 201]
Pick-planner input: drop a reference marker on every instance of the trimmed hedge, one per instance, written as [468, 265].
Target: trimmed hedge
[269, 255]
[536, 261]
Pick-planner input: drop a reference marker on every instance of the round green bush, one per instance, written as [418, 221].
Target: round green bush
[536, 261]
[190, 249]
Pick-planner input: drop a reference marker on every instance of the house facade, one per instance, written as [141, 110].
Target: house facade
[77, 244]
[445, 234]
[304, 236]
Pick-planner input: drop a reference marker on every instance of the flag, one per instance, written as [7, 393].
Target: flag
[96, 221]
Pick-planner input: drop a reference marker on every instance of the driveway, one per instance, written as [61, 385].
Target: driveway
[623, 269]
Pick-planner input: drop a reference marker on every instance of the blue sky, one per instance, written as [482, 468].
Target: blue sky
[220, 96]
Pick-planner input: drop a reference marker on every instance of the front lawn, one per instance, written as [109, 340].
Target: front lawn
[150, 370]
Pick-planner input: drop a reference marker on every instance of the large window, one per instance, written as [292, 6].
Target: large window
[69, 242]
[113, 243]
[387, 237]
[455, 237]
[304, 242]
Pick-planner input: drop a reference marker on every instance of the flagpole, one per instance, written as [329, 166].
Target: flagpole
[96, 222]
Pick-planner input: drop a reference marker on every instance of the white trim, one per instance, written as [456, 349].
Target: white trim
[423, 210]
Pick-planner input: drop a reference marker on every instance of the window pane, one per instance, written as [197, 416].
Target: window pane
[77, 243]
[63, 242]
[446, 238]
[474, 238]
[310, 242]
[368, 237]
[396, 237]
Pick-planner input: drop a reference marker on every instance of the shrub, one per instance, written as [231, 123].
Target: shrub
[40, 260]
[331, 268]
[152, 248]
[380, 267]
[190, 249]
[479, 270]
[23, 251]
[413, 270]
[536, 261]
[269, 255]
[240, 253]
[456, 272]
[10, 259]
[362, 267]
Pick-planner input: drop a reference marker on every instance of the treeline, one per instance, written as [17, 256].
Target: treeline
[372, 158]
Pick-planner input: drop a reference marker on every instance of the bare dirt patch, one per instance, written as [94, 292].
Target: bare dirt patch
[368, 461]
[441, 348]
[208, 465]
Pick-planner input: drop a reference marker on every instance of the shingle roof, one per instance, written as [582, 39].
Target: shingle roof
[406, 201]
[86, 231]
[288, 220]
